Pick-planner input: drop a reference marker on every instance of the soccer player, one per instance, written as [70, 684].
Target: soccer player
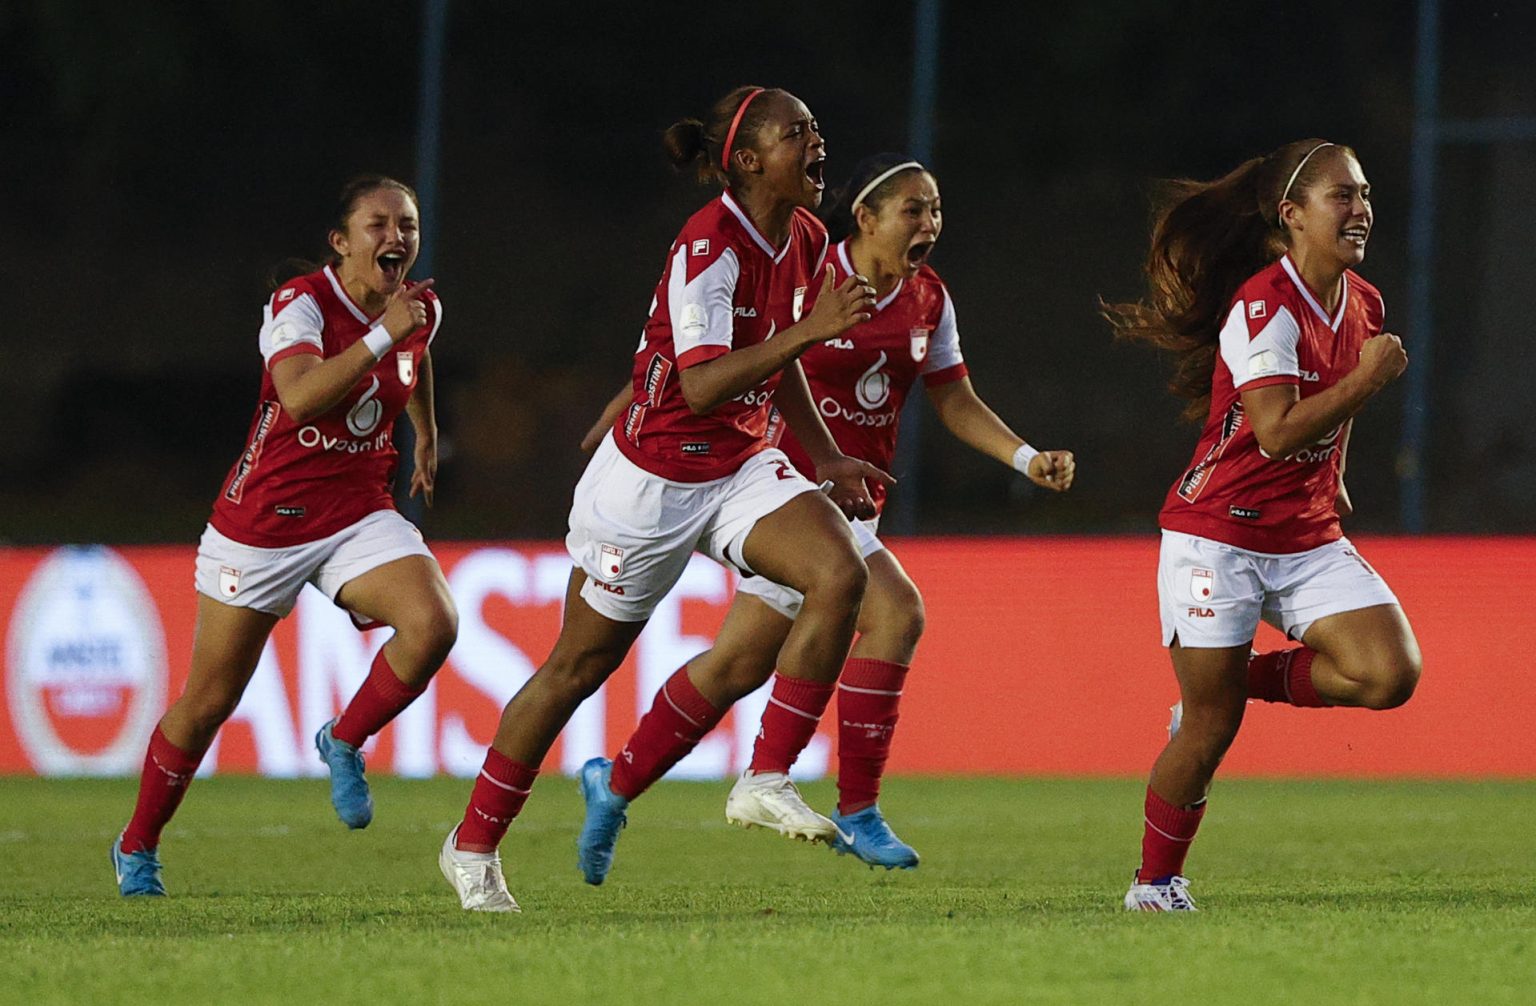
[891, 214]
[1279, 344]
[689, 467]
[345, 349]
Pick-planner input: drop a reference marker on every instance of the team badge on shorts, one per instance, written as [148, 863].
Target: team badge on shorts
[405, 366]
[919, 337]
[229, 581]
[610, 562]
[1201, 584]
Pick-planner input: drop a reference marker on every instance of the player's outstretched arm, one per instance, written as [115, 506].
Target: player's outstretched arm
[974, 423]
[422, 410]
[617, 404]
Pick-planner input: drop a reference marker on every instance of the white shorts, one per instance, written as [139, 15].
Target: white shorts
[786, 600]
[632, 532]
[1213, 595]
[269, 579]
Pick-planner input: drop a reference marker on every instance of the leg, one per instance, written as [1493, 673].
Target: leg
[1213, 688]
[1367, 657]
[226, 647]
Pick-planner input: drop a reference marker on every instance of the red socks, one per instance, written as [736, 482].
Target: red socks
[381, 698]
[1284, 676]
[794, 708]
[1165, 840]
[167, 773]
[679, 718]
[501, 789]
[867, 696]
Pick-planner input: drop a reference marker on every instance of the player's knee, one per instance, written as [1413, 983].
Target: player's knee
[1393, 682]
[840, 580]
[207, 710]
[577, 675]
[1212, 728]
[431, 631]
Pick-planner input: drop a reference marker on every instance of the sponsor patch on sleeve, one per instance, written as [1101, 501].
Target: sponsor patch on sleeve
[694, 320]
[1264, 363]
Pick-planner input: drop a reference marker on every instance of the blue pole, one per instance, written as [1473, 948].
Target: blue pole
[429, 137]
[1421, 252]
[902, 515]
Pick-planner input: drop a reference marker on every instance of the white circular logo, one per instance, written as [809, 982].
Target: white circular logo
[873, 387]
[86, 664]
[365, 415]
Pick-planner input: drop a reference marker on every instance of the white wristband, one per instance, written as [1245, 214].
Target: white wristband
[379, 341]
[1022, 457]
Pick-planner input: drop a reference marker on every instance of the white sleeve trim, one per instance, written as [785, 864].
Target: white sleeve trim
[944, 343]
[437, 321]
[299, 322]
[703, 311]
[1271, 353]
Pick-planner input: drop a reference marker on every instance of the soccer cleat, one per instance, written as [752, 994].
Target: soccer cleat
[138, 873]
[605, 816]
[349, 789]
[866, 835]
[1170, 894]
[769, 800]
[475, 877]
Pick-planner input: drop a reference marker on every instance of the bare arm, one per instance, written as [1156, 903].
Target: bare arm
[707, 386]
[1284, 422]
[1341, 501]
[970, 419]
[422, 411]
[308, 385]
[617, 404]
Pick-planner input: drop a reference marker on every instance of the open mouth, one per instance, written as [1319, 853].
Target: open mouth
[918, 253]
[816, 172]
[1356, 235]
[392, 265]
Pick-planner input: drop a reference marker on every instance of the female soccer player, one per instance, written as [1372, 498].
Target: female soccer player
[891, 214]
[1279, 343]
[345, 350]
[689, 467]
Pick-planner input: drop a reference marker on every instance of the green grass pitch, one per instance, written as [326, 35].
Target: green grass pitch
[1311, 892]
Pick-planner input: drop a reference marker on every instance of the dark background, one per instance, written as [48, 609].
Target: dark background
[157, 159]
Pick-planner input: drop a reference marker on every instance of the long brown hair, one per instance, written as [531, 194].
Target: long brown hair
[1208, 238]
[699, 144]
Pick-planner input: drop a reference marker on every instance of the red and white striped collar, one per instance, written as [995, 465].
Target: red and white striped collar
[346, 298]
[1306, 294]
[847, 262]
[746, 221]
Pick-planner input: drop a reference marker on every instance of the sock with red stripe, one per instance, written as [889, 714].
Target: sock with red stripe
[678, 719]
[501, 789]
[789, 722]
[168, 771]
[382, 697]
[1167, 833]
[1284, 676]
[868, 694]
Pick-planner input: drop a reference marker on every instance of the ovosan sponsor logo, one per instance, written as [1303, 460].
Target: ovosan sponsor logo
[86, 664]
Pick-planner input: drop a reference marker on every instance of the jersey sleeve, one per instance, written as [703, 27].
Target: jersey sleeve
[944, 363]
[701, 292]
[1258, 344]
[292, 325]
[437, 318]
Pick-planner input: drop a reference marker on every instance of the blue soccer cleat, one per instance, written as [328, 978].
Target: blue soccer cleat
[605, 816]
[866, 835]
[138, 873]
[1162, 894]
[349, 789]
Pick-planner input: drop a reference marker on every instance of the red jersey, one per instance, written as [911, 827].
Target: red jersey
[1276, 333]
[297, 483]
[860, 380]
[724, 287]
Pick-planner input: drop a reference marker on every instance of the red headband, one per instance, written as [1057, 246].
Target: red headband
[730, 137]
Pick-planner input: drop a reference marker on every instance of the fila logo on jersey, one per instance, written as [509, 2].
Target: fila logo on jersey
[840, 343]
[283, 296]
[745, 312]
[701, 246]
[695, 447]
[1243, 512]
[1201, 583]
[1257, 309]
[610, 562]
[1310, 375]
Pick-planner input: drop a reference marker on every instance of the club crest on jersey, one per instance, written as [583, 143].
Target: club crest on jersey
[405, 366]
[1202, 583]
[1257, 309]
[610, 561]
[799, 304]
[229, 581]
[919, 337]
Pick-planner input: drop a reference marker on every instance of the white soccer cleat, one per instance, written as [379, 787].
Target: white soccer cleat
[1172, 896]
[475, 877]
[769, 800]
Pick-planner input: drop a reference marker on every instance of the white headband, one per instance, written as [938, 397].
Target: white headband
[1299, 165]
[874, 183]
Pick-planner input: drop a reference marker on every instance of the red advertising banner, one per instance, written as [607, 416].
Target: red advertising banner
[1041, 657]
